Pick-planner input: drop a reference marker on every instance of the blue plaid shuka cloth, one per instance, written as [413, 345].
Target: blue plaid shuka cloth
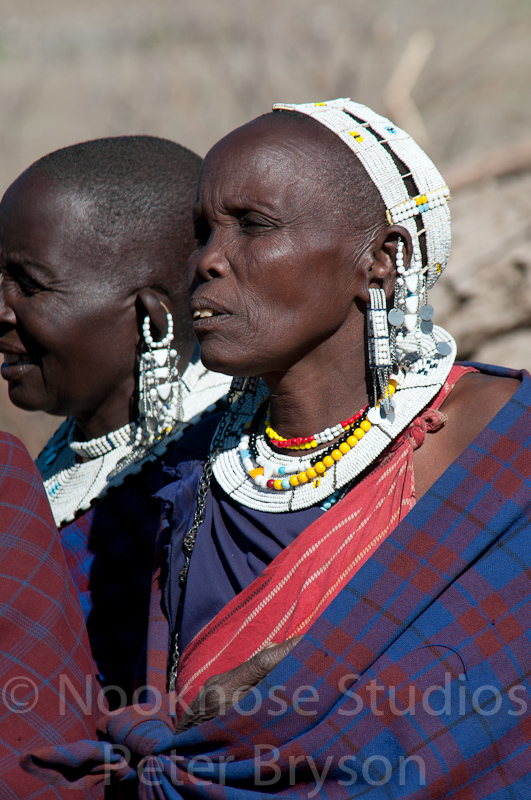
[413, 683]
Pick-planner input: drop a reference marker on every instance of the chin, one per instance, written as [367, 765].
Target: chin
[26, 400]
[217, 365]
[219, 359]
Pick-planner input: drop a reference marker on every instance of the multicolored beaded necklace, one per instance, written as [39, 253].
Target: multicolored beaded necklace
[267, 474]
[307, 442]
[254, 469]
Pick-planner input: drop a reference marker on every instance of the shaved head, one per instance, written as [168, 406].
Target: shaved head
[132, 199]
[344, 178]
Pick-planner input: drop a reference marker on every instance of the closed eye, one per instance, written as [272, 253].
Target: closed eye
[251, 222]
[16, 273]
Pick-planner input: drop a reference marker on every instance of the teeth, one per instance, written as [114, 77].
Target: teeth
[206, 312]
[16, 358]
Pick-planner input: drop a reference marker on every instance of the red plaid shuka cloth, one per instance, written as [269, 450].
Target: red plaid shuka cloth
[44, 654]
[413, 683]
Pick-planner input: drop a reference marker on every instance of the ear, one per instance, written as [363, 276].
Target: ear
[380, 267]
[156, 305]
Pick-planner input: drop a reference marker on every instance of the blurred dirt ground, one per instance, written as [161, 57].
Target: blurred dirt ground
[456, 74]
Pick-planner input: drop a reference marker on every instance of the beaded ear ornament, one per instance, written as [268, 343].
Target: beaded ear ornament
[159, 383]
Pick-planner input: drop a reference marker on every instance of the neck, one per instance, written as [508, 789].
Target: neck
[121, 407]
[100, 424]
[319, 391]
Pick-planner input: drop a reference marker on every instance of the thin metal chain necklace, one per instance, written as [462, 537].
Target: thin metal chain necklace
[241, 390]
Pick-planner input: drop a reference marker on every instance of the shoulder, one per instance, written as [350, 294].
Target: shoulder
[25, 513]
[474, 401]
[478, 396]
[15, 461]
[195, 444]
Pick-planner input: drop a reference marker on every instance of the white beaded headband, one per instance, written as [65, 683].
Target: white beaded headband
[365, 133]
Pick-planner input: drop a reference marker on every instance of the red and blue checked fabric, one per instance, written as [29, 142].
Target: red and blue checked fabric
[44, 655]
[413, 683]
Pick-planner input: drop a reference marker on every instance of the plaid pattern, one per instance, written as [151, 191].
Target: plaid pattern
[295, 588]
[109, 553]
[42, 637]
[420, 666]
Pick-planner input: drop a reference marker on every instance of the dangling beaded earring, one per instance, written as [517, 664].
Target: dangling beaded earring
[159, 383]
[397, 316]
[379, 352]
[411, 313]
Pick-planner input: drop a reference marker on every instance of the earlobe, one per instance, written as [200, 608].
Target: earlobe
[156, 306]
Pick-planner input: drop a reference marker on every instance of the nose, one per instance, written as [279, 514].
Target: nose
[209, 262]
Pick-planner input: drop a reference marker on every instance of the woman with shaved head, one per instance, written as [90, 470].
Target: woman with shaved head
[362, 515]
[94, 326]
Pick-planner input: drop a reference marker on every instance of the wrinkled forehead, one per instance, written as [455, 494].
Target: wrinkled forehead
[271, 154]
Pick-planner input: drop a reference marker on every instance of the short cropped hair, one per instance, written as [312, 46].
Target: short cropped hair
[138, 193]
[132, 181]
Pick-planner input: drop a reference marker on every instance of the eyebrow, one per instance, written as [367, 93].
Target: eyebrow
[25, 262]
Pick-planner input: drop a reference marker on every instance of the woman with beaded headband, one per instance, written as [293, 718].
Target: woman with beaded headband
[350, 514]
[95, 326]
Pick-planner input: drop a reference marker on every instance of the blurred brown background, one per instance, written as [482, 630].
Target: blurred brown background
[456, 74]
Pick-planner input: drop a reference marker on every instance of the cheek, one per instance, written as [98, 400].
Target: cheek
[92, 344]
[191, 267]
[296, 299]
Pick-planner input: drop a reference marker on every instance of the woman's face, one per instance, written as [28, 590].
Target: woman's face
[275, 260]
[67, 333]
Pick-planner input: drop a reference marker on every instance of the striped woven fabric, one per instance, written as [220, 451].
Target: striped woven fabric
[413, 682]
[44, 657]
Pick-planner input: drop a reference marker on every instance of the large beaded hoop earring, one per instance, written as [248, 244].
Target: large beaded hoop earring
[159, 382]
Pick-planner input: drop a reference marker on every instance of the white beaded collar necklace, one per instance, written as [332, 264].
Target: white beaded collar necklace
[77, 473]
[416, 387]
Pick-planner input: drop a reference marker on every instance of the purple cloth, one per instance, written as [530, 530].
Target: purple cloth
[109, 552]
[233, 546]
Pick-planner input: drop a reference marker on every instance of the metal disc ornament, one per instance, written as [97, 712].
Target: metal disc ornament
[396, 317]
[444, 349]
[374, 416]
[426, 311]
[426, 326]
